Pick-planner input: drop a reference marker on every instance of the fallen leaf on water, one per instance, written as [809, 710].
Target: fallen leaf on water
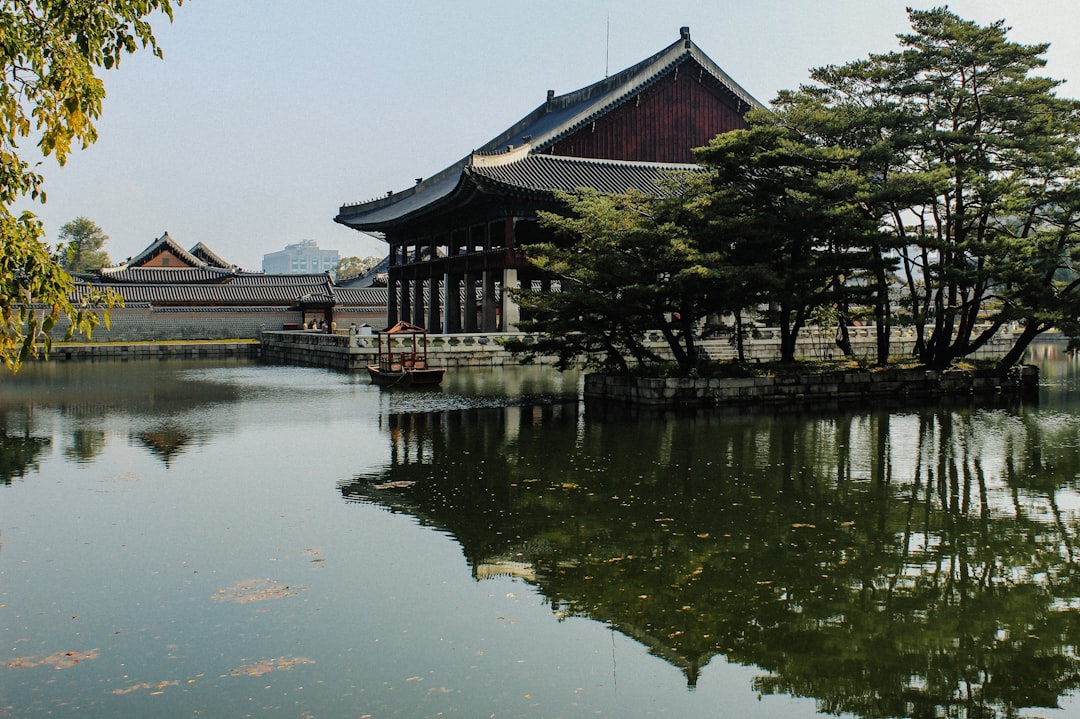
[281, 664]
[801, 525]
[146, 685]
[255, 590]
[60, 660]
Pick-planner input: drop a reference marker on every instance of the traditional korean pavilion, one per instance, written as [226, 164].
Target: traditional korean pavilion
[454, 237]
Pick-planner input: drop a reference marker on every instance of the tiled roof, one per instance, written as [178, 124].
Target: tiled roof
[546, 173]
[205, 254]
[360, 296]
[564, 114]
[535, 134]
[171, 275]
[224, 294]
[159, 245]
[260, 278]
[240, 290]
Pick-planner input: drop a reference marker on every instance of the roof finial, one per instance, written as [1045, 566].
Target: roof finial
[684, 33]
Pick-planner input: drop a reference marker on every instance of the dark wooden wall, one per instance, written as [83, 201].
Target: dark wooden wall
[680, 112]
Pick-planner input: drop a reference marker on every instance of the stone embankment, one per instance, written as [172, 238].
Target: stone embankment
[113, 351]
[348, 350]
[804, 388]
[354, 351]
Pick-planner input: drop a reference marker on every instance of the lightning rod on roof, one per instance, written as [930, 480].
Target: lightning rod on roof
[607, 45]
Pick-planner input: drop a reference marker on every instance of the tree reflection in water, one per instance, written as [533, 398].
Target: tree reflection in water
[20, 448]
[904, 563]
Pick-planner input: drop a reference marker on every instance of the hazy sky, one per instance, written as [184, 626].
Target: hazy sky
[265, 117]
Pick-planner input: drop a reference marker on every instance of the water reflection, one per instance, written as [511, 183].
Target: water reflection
[20, 450]
[884, 564]
[164, 403]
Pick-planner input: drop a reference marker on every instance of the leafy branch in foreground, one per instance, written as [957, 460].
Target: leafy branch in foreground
[51, 54]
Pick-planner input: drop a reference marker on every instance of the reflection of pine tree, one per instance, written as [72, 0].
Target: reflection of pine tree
[19, 455]
[86, 444]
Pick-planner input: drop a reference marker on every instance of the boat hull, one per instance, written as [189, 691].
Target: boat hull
[411, 377]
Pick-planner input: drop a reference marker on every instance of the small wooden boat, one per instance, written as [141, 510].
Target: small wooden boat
[407, 368]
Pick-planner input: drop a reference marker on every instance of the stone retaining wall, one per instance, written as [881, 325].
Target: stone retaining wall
[142, 322]
[152, 350]
[853, 386]
[338, 351]
[346, 350]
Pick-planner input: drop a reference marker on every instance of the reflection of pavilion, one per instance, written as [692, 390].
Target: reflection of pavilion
[888, 586]
[165, 441]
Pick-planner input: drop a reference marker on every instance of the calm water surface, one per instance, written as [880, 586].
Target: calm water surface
[197, 540]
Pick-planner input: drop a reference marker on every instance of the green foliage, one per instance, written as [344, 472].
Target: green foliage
[965, 121]
[351, 267]
[784, 204]
[83, 241]
[949, 162]
[627, 265]
[50, 91]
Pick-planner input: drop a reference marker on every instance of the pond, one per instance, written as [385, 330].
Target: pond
[185, 539]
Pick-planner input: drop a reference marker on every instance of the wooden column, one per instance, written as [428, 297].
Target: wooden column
[392, 302]
[418, 303]
[406, 301]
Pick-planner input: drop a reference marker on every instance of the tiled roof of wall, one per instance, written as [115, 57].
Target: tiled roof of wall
[241, 290]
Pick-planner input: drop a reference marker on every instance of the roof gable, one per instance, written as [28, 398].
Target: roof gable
[164, 252]
[563, 115]
[204, 253]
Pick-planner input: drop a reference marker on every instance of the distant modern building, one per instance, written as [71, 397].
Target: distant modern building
[302, 258]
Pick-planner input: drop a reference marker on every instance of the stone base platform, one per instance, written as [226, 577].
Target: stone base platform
[812, 388]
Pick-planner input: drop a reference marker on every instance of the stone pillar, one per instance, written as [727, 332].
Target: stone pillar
[511, 312]
[452, 304]
[489, 320]
[418, 303]
[469, 323]
[434, 319]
